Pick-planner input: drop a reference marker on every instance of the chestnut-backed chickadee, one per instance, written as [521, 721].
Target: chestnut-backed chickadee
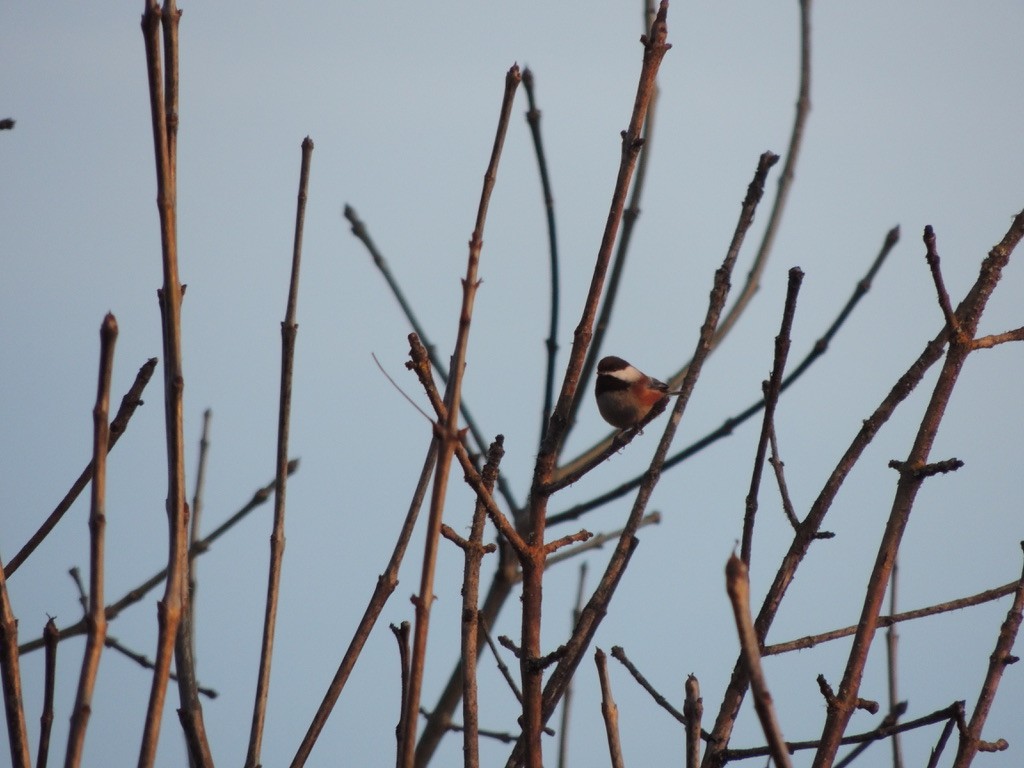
[625, 395]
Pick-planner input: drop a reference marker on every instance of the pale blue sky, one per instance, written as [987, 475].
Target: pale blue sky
[916, 120]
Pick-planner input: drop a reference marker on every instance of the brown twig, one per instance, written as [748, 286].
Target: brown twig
[474, 550]
[10, 676]
[729, 425]
[551, 344]
[891, 718]
[401, 633]
[146, 663]
[96, 618]
[599, 540]
[737, 582]
[163, 90]
[693, 711]
[947, 730]
[289, 330]
[619, 654]
[506, 673]
[998, 661]
[932, 257]
[187, 631]
[778, 466]
[50, 679]
[728, 755]
[131, 400]
[563, 731]
[987, 342]
[771, 399]
[448, 435]
[968, 314]
[887, 621]
[609, 711]
[892, 641]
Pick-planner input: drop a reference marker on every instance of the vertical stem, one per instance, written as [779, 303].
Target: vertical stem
[96, 617]
[289, 330]
[10, 674]
[448, 433]
[891, 645]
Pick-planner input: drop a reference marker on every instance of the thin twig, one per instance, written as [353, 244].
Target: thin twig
[932, 257]
[401, 633]
[163, 91]
[474, 550]
[599, 540]
[728, 755]
[987, 342]
[771, 399]
[947, 730]
[609, 711]
[887, 621]
[96, 618]
[891, 718]
[448, 435]
[146, 663]
[693, 710]
[187, 630]
[289, 330]
[891, 647]
[737, 581]
[997, 663]
[129, 403]
[551, 344]
[10, 676]
[563, 731]
[619, 654]
[50, 679]
[500, 663]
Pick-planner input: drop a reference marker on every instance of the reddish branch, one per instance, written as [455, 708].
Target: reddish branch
[289, 330]
[448, 435]
[970, 738]
[96, 618]
[771, 398]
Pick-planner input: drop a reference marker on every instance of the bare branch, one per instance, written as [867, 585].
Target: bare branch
[289, 330]
[771, 398]
[96, 618]
[693, 710]
[998, 661]
[737, 583]
[609, 711]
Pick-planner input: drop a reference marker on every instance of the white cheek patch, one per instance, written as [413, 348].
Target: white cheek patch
[629, 374]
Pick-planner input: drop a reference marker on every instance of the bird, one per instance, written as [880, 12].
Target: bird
[625, 394]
